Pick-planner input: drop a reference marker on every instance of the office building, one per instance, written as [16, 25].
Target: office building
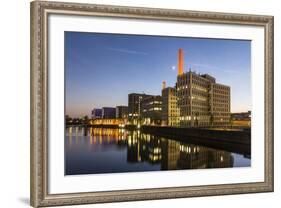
[151, 110]
[220, 105]
[96, 113]
[134, 102]
[121, 111]
[108, 112]
[170, 110]
[201, 101]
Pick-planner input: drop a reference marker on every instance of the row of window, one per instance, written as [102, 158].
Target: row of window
[221, 87]
[221, 109]
[215, 101]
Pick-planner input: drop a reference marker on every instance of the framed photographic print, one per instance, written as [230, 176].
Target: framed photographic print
[144, 103]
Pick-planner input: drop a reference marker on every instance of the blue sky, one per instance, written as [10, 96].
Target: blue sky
[102, 69]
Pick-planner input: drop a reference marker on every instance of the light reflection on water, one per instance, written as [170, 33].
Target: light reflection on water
[96, 150]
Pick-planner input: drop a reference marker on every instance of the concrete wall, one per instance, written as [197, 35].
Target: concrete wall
[240, 137]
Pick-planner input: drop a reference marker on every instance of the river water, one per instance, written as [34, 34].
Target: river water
[96, 150]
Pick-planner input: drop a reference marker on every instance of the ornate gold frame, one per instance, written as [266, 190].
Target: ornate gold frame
[39, 103]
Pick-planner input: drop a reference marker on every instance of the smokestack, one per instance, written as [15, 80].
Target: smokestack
[180, 64]
[163, 85]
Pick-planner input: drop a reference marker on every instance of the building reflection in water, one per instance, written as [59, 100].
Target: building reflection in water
[173, 155]
[188, 156]
[169, 154]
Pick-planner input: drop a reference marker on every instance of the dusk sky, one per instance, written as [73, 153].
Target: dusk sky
[102, 69]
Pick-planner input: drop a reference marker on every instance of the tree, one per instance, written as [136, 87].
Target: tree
[85, 120]
[68, 120]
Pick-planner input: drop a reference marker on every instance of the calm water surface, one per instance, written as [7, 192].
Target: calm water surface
[96, 150]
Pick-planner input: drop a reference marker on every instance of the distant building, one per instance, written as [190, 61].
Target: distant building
[121, 111]
[151, 110]
[241, 116]
[109, 121]
[201, 101]
[108, 112]
[170, 110]
[96, 113]
[242, 119]
[134, 101]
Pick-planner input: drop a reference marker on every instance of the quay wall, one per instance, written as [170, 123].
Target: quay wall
[229, 136]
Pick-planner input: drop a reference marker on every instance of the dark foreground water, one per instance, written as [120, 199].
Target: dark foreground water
[94, 150]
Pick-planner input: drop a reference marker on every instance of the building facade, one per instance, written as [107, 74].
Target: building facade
[122, 112]
[134, 107]
[170, 110]
[108, 112]
[151, 110]
[201, 101]
[96, 113]
[220, 104]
